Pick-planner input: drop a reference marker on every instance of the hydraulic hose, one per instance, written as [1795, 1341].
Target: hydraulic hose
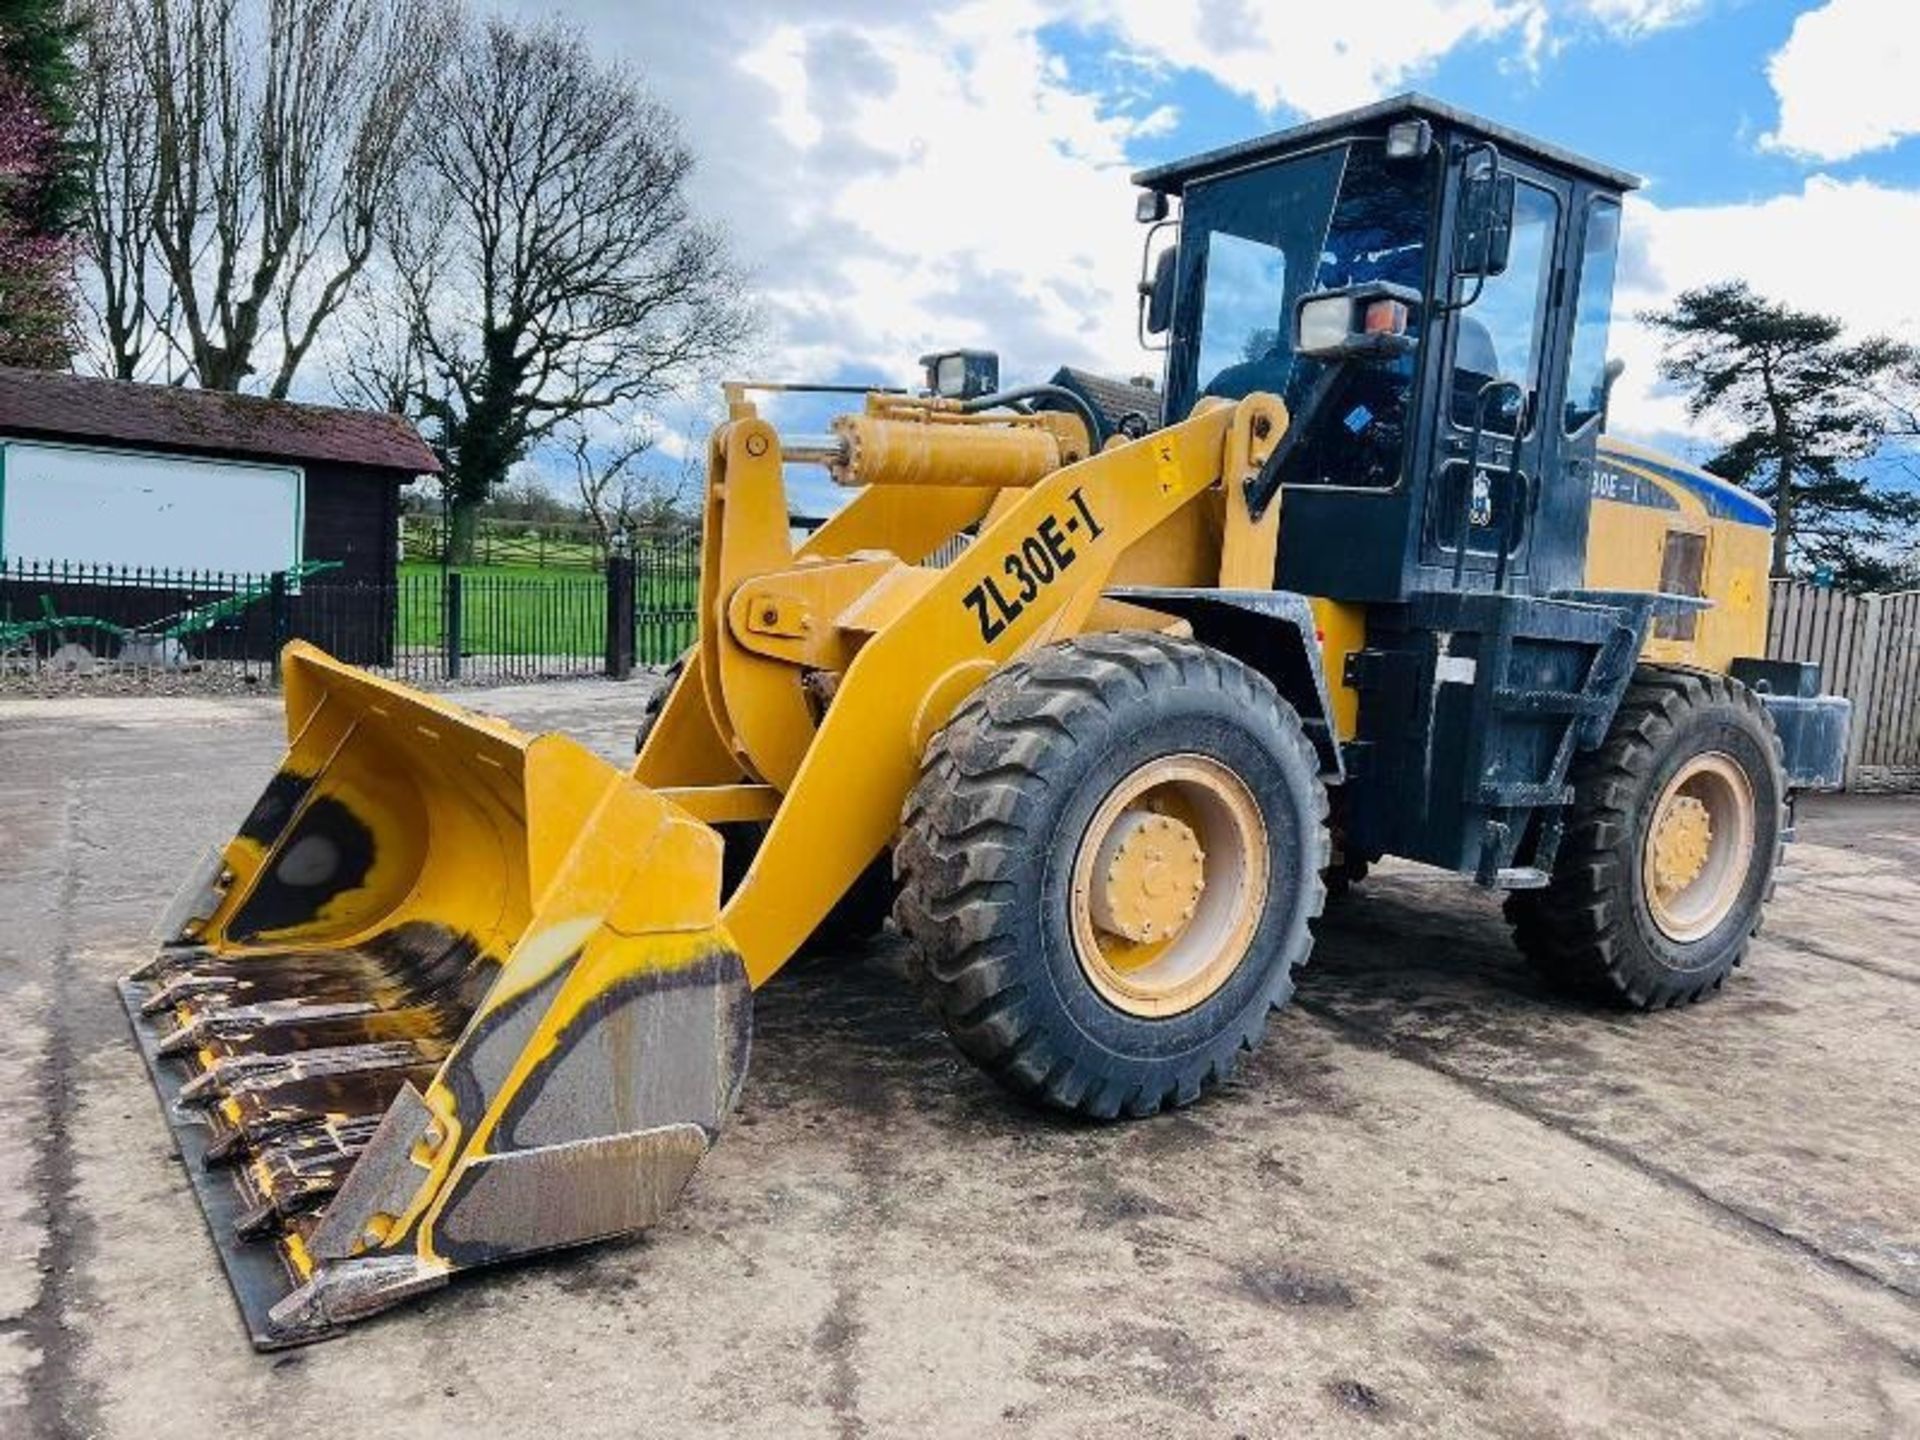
[1096, 430]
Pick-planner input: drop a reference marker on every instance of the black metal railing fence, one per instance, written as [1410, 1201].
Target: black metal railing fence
[426, 626]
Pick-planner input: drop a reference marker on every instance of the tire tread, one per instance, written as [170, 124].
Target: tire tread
[966, 823]
[1571, 930]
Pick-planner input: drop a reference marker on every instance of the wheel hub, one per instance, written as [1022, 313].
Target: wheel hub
[1681, 839]
[1169, 880]
[1698, 847]
[1149, 875]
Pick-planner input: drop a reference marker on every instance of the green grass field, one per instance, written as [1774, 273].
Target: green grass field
[529, 610]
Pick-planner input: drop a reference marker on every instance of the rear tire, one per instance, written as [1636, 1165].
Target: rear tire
[1670, 847]
[1017, 806]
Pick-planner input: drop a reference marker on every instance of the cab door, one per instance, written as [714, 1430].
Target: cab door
[1498, 380]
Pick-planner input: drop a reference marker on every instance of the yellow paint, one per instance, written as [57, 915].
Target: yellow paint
[721, 804]
[1342, 627]
[843, 805]
[689, 745]
[547, 856]
[1625, 547]
[792, 615]
[757, 704]
[1154, 880]
[1248, 546]
[913, 447]
[1164, 885]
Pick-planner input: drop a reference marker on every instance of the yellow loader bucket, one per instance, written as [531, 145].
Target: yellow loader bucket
[453, 993]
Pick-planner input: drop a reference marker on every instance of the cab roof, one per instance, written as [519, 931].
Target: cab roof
[1172, 178]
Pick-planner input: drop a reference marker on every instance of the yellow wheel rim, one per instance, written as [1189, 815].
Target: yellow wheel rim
[1168, 884]
[1699, 847]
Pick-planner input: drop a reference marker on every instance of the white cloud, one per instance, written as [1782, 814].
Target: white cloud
[1323, 57]
[897, 181]
[1162, 120]
[899, 178]
[1829, 247]
[1642, 17]
[1845, 79]
[1316, 57]
[903, 180]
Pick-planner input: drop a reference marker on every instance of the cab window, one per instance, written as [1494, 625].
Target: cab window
[1241, 337]
[1587, 367]
[1379, 232]
[1499, 334]
[1265, 237]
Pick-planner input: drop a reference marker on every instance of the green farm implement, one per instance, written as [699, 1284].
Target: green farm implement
[81, 642]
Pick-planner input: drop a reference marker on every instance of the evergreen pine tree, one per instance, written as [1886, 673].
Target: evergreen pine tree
[1802, 400]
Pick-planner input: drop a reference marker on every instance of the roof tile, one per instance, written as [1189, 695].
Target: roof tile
[44, 405]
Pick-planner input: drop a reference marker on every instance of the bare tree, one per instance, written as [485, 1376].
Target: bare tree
[126, 297]
[245, 153]
[605, 477]
[550, 268]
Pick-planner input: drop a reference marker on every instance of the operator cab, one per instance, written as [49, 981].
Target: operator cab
[1429, 292]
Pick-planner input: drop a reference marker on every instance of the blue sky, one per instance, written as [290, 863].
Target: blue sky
[900, 178]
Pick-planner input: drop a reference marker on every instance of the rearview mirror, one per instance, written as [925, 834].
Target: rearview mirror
[1483, 226]
[1156, 295]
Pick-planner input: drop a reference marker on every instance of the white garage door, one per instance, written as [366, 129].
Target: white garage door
[109, 507]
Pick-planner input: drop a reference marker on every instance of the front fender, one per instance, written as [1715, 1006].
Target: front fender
[1274, 632]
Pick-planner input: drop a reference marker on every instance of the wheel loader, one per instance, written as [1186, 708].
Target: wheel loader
[1101, 710]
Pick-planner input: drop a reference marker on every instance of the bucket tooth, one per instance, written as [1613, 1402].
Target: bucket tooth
[258, 1223]
[392, 973]
[248, 1074]
[304, 1141]
[284, 1027]
[297, 1168]
[192, 986]
[182, 1039]
[229, 1144]
[307, 1096]
[201, 1091]
[270, 1071]
[168, 959]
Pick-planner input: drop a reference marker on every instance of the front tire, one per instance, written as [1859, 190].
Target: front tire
[1109, 868]
[656, 702]
[1670, 849]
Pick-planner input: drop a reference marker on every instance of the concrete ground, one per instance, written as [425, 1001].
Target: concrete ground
[1437, 1200]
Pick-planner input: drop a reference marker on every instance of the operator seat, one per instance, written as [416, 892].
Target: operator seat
[1476, 360]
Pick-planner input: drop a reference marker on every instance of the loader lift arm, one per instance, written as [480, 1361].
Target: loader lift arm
[908, 644]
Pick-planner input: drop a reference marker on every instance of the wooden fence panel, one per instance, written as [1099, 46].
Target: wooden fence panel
[1868, 649]
[1891, 741]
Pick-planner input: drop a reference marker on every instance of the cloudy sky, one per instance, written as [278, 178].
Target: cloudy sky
[900, 177]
